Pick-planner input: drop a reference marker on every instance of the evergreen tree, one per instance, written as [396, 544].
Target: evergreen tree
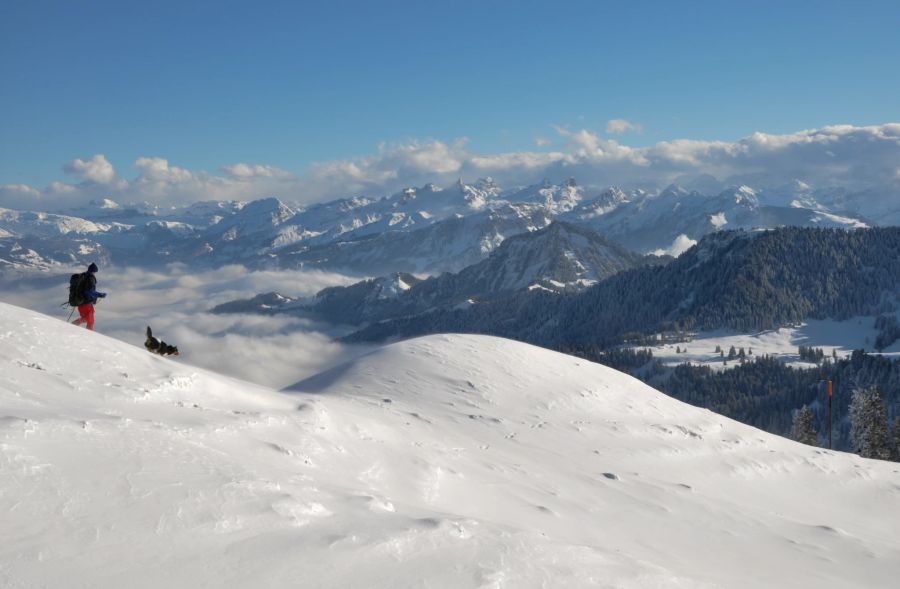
[804, 430]
[869, 424]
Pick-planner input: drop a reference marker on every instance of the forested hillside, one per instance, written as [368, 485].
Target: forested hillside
[766, 392]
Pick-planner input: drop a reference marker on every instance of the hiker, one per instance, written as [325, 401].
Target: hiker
[88, 296]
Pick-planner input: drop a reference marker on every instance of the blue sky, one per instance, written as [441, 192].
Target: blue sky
[288, 84]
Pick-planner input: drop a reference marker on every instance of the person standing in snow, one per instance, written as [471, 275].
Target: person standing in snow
[90, 295]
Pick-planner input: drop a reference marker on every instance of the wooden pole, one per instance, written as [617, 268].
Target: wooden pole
[829, 414]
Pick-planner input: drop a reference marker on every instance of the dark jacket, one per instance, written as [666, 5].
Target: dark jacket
[90, 290]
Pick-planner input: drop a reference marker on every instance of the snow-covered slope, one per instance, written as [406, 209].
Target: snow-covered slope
[14, 256]
[447, 461]
[35, 224]
[28, 255]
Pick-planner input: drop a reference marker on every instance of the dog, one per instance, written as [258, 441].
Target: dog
[157, 346]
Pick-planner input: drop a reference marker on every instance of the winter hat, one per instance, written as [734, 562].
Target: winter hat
[93, 267]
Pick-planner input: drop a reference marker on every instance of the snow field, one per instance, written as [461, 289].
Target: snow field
[839, 337]
[444, 461]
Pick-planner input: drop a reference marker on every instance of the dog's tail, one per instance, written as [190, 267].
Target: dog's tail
[149, 332]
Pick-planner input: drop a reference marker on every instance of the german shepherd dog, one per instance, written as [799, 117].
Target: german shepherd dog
[158, 346]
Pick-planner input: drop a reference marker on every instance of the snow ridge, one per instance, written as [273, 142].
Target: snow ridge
[442, 461]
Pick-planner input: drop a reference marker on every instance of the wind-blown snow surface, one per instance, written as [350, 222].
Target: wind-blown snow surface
[446, 461]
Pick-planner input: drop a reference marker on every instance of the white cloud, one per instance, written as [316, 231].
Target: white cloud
[512, 163]
[97, 169]
[693, 153]
[589, 147]
[19, 196]
[61, 188]
[157, 169]
[586, 142]
[22, 189]
[391, 168]
[840, 155]
[681, 244]
[251, 171]
[619, 126]
[718, 220]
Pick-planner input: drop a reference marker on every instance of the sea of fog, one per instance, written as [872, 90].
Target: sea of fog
[274, 351]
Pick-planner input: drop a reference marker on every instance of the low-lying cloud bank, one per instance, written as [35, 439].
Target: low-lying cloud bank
[840, 155]
[274, 351]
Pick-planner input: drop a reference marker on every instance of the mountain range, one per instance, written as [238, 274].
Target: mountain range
[742, 280]
[560, 258]
[421, 230]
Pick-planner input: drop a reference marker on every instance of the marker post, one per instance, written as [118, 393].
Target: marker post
[829, 414]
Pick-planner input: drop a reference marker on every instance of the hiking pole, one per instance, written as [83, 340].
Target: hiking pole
[70, 314]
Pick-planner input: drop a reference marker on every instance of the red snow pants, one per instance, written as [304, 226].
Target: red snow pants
[87, 315]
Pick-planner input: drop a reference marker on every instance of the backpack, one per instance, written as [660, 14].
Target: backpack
[77, 284]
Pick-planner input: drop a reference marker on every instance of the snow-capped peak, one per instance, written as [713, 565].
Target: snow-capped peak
[561, 256]
[557, 198]
[487, 185]
[258, 216]
[479, 194]
[272, 208]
